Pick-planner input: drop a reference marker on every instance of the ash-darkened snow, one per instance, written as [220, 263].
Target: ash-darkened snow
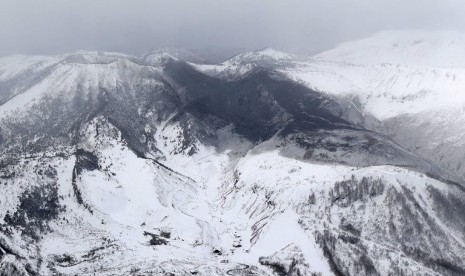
[344, 163]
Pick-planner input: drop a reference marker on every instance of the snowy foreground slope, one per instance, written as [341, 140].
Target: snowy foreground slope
[120, 165]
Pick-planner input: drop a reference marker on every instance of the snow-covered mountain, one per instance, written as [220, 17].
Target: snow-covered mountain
[414, 48]
[407, 84]
[412, 82]
[265, 164]
[244, 63]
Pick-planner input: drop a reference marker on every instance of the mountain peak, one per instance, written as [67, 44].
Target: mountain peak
[264, 167]
[270, 52]
[159, 54]
[265, 54]
[403, 47]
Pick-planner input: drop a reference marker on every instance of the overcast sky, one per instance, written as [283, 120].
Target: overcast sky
[134, 26]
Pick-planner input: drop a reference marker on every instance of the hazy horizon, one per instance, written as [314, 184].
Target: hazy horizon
[54, 27]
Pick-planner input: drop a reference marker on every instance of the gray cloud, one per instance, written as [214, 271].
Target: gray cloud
[134, 26]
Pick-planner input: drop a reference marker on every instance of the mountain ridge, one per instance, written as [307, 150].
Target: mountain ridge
[129, 165]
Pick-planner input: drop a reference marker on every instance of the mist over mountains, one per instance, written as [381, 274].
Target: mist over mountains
[53, 27]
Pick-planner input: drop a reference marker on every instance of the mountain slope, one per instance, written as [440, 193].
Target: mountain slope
[414, 48]
[406, 84]
[410, 82]
[118, 165]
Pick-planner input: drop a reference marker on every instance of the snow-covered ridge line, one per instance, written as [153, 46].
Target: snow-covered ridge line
[397, 70]
[143, 165]
[414, 47]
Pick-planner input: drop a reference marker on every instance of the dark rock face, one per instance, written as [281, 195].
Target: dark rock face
[263, 104]
[258, 105]
[86, 161]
